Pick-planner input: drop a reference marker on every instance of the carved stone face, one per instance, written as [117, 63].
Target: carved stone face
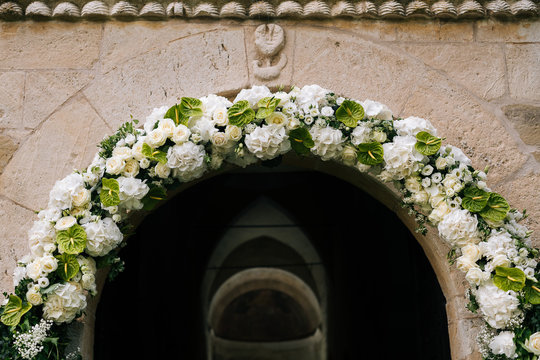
[269, 39]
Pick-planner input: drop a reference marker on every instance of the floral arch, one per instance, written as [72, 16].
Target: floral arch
[137, 167]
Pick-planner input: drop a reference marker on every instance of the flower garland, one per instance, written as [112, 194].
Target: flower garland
[87, 213]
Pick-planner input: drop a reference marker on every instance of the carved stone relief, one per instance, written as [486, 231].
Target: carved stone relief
[269, 41]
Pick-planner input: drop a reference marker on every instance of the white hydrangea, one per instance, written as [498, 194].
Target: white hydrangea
[268, 141]
[361, 133]
[498, 243]
[62, 305]
[376, 110]
[500, 308]
[40, 235]
[253, 95]
[186, 160]
[310, 96]
[459, 227]
[156, 115]
[413, 125]
[400, 157]
[204, 127]
[212, 103]
[328, 142]
[61, 194]
[503, 344]
[102, 236]
[132, 190]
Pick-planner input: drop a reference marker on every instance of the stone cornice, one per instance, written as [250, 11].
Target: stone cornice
[219, 9]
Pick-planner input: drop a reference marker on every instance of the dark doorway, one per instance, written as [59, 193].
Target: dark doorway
[384, 299]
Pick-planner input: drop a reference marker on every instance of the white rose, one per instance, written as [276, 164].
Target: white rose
[376, 110]
[441, 163]
[131, 169]
[137, 150]
[276, 118]
[130, 139]
[115, 165]
[49, 264]
[476, 276]
[532, 344]
[162, 170]
[379, 136]
[34, 297]
[156, 138]
[65, 223]
[472, 251]
[220, 117]
[167, 127]
[293, 123]
[144, 163]
[81, 197]
[88, 282]
[233, 132]
[348, 155]
[219, 139]
[327, 111]
[439, 212]
[122, 152]
[464, 263]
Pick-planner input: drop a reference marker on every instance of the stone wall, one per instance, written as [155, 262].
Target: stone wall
[64, 86]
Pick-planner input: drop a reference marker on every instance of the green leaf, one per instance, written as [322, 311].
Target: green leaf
[175, 114]
[68, 266]
[532, 292]
[14, 310]
[241, 113]
[267, 106]
[427, 144]
[370, 153]
[190, 107]
[301, 140]
[496, 209]
[474, 199]
[506, 278]
[72, 240]
[153, 197]
[350, 113]
[110, 192]
[154, 154]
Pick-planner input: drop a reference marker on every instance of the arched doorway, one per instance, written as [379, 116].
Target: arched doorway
[381, 287]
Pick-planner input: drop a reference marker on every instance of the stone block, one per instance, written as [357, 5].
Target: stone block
[524, 30]
[194, 66]
[9, 143]
[523, 61]
[65, 142]
[11, 99]
[45, 45]
[480, 68]
[526, 121]
[432, 30]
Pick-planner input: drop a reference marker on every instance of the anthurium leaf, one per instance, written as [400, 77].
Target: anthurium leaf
[190, 107]
[350, 113]
[531, 292]
[68, 266]
[496, 209]
[474, 199]
[241, 113]
[301, 140]
[72, 240]
[153, 197]
[14, 310]
[110, 190]
[370, 153]
[506, 278]
[154, 154]
[267, 106]
[427, 144]
[175, 114]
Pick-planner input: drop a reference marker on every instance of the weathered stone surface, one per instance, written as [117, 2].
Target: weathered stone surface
[526, 121]
[354, 67]
[48, 90]
[467, 124]
[466, 330]
[65, 142]
[466, 64]
[197, 65]
[9, 143]
[426, 31]
[508, 31]
[15, 221]
[69, 46]
[523, 61]
[11, 98]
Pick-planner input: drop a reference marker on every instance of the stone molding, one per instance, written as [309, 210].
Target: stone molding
[216, 9]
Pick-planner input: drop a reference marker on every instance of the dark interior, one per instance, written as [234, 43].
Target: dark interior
[384, 299]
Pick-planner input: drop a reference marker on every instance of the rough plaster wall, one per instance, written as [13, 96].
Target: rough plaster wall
[64, 86]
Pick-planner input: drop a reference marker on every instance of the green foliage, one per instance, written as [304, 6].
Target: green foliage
[154, 154]
[427, 144]
[153, 197]
[350, 113]
[496, 209]
[241, 114]
[14, 310]
[370, 153]
[491, 206]
[114, 262]
[68, 266]
[474, 199]
[110, 192]
[188, 107]
[72, 240]
[301, 141]
[506, 278]
[107, 145]
[531, 292]
[267, 106]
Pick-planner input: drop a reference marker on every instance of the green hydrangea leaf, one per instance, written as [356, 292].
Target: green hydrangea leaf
[14, 310]
[175, 114]
[110, 192]
[68, 266]
[506, 278]
[153, 197]
[190, 107]
[72, 240]
[267, 106]
[496, 209]
[350, 113]
[241, 114]
[370, 153]
[154, 154]
[531, 291]
[301, 141]
[474, 199]
[427, 144]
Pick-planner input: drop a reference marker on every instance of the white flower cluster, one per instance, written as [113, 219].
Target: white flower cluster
[66, 302]
[29, 344]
